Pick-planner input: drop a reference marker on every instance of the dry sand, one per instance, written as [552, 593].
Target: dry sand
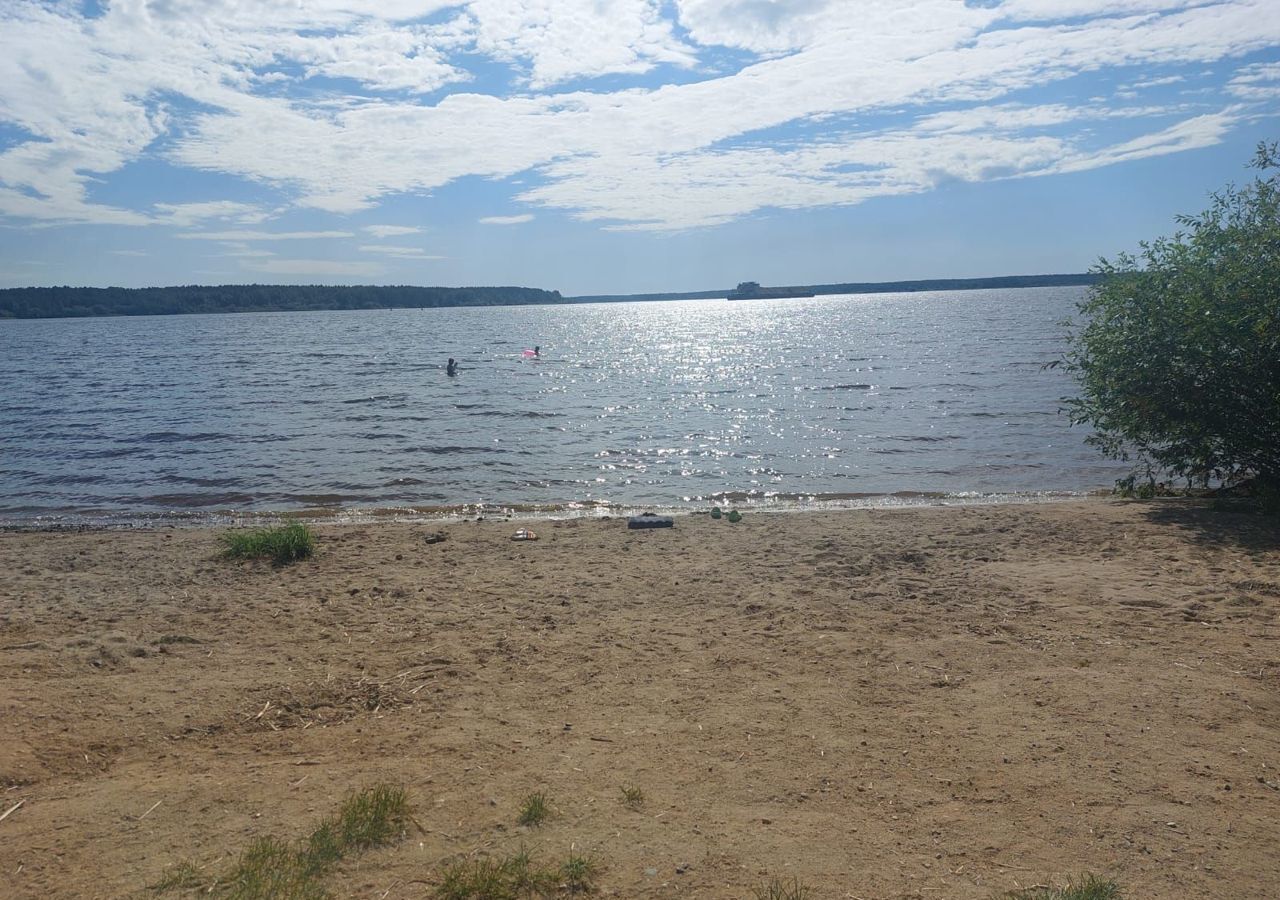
[924, 703]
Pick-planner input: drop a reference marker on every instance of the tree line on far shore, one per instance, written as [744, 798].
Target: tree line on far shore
[72, 302]
[69, 302]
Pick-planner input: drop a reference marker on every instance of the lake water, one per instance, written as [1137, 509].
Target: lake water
[845, 399]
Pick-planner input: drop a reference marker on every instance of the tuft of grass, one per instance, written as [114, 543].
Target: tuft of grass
[632, 797]
[283, 544]
[579, 873]
[510, 878]
[272, 869]
[777, 889]
[372, 817]
[527, 878]
[1089, 887]
[475, 879]
[184, 876]
[322, 849]
[534, 810]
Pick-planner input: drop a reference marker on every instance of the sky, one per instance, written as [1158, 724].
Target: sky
[614, 146]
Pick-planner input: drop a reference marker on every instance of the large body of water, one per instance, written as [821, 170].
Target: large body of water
[638, 404]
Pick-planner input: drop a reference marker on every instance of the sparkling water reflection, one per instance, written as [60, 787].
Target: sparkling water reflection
[639, 403]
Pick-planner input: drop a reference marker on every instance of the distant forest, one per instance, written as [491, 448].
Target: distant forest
[59, 302]
[68, 302]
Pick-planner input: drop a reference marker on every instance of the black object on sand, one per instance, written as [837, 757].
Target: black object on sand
[650, 520]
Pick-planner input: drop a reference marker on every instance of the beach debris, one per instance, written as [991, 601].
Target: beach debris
[12, 809]
[715, 512]
[650, 520]
[332, 701]
[524, 534]
[434, 537]
[734, 516]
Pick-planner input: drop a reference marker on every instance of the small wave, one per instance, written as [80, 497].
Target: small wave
[443, 449]
[177, 437]
[111, 453]
[71, 479]
[192, 500]
[319, 499]
[196, 481]
[515, 414]
[376, 398]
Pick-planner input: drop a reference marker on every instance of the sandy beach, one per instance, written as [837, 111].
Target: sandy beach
[944, 702]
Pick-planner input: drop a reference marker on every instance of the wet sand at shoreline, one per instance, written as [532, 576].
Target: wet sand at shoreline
[941, 702]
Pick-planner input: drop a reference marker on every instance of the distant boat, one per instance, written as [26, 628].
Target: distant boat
[751, 290]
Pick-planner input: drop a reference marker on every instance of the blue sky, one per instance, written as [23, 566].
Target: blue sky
[614, 146]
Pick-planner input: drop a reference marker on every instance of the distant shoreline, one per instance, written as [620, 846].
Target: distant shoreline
[1075, 279]
[89, 302]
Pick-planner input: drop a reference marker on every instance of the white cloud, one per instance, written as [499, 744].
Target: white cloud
[386, 231]
[1053, 10]
[765, 26]
[1259, 82]
[184, 215]
[380, 57]
[696, 190]
[400, 252]
[798, 125]
[243, 250]
[562, 40]
[262, 235]
[507, 220]
[313, 268]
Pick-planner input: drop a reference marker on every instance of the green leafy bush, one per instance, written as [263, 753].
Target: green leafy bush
[1178, 356]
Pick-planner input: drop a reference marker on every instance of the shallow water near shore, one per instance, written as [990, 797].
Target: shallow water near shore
[881, 399]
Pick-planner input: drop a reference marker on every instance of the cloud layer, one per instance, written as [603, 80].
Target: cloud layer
[635, 114]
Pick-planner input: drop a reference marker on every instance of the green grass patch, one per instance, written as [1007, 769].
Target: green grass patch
[534, 810]
[183, 875]
[1090, 887]
[272, 869]
[777, 889]
[513, 877]
[372, 817]
[283, 544]
[578, 874]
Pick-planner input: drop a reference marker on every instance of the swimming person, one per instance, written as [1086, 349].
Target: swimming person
[452, 368]
[537, 351]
